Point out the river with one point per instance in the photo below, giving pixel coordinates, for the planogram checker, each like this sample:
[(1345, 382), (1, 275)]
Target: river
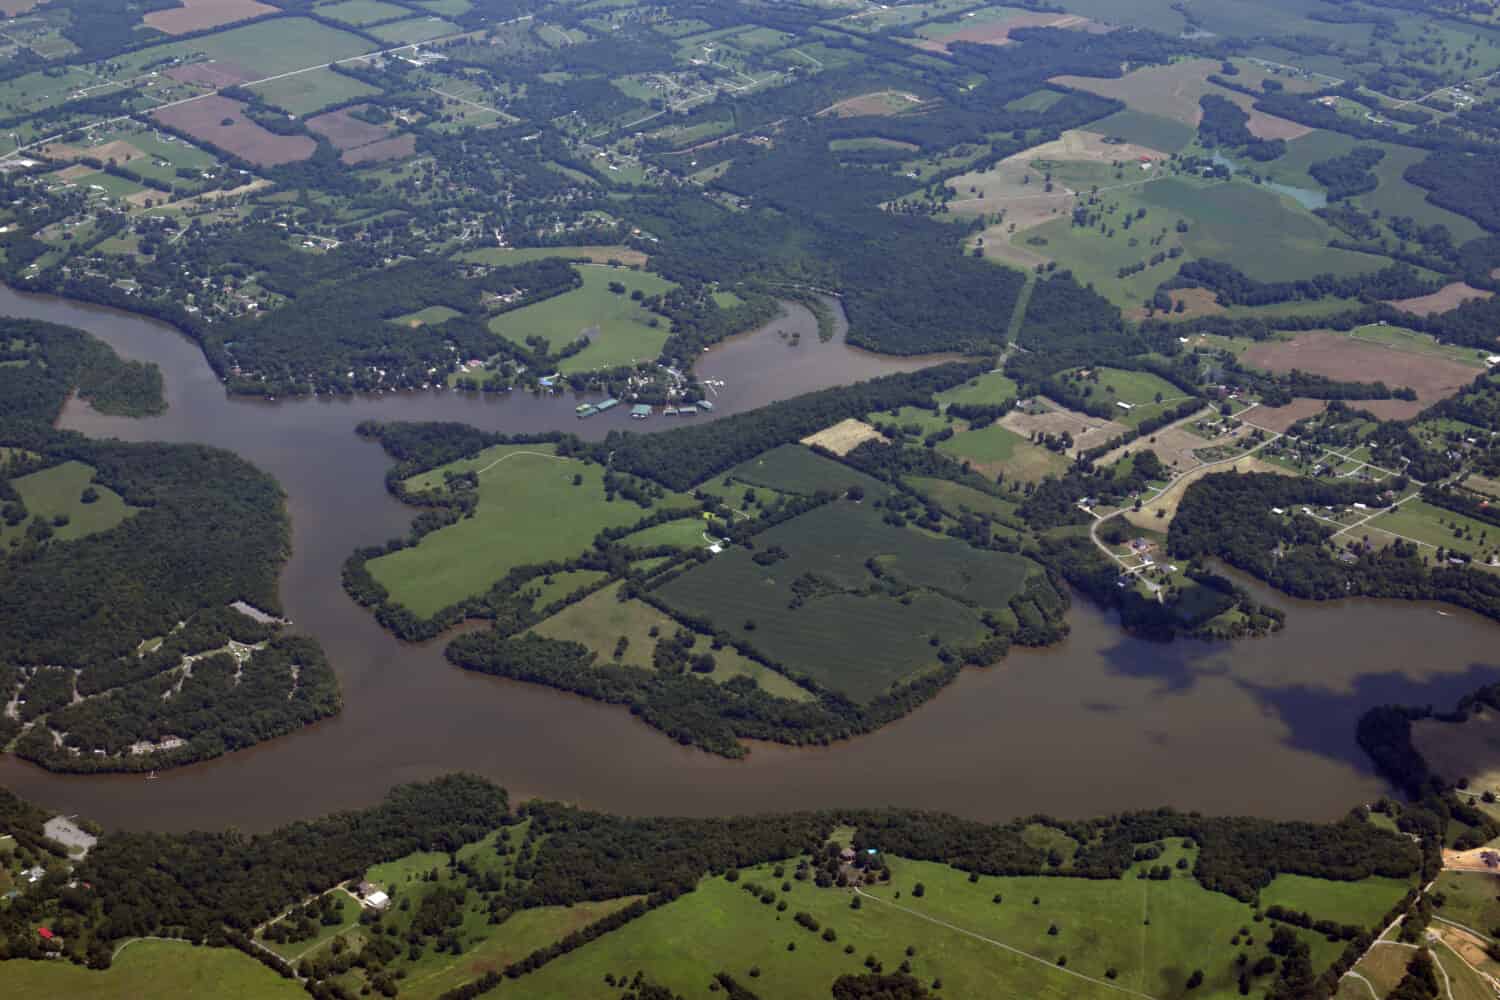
[(1098, 723)]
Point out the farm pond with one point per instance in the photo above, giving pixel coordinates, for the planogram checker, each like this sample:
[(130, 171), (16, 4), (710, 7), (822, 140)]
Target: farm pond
[(1097, 723)]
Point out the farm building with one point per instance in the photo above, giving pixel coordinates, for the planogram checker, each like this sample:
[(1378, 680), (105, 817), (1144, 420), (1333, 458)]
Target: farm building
[(377, 900)]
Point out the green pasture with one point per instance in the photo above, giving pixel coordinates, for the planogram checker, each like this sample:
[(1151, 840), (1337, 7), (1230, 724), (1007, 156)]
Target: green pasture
[(313, 91), (152, 969), (1001, 449), (447, 8), (506, 256), (793, 468), (362, 12), (563, 584), (1422, 521), (1138, 390), (110, 184), (727, 300), (1471, 899), (430, 316), (416, 29), (1152, 934), (989, 389), (1254, 229), (58, 490), (267, 47), (1362, 903), (1037, 100), (618, 327), (686, 533), (601, 619), (529, 512), (956, 498), (843, 636), (1145, 129), (1398, 196), (924, 422)]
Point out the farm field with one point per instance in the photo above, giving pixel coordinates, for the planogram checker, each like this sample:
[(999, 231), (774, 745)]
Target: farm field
[(307, 93), (998, 449), (1154, 131), (618, 328), (529, 511), (57, 491), (205, 119), (1449, 297), (1438, 527), (264, 48), (362, 12), (955, 497), (990, 389), (600, 620), (853, 643), (153, 969), (417, 29), (793, 468), (199, 15), (1358, 359)]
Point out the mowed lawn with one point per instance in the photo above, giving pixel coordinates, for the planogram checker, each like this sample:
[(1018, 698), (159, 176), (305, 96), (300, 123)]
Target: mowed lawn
[(529, 512), (152, 969), (619, 329), (313, 91), (850, 642), (59, 490)]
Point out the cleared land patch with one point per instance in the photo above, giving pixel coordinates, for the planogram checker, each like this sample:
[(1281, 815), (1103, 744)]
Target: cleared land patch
[(345, 131), (608, 254), (937, 36), (58, 492), (205, 120), (884, 102), (1279, 418), (619, 328), (1087, 431), (395, 148), (844, 436), (997, 450), (199, 15), (313, 91)]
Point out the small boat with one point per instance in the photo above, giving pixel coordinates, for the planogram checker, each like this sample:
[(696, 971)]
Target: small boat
[(581, 407), (1444, 614), (587, 410), (151, 776)]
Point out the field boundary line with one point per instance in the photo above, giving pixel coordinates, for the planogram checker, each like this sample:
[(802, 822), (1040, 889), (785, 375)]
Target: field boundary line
[(1462, 927), (1005, 947), (1374, 994)]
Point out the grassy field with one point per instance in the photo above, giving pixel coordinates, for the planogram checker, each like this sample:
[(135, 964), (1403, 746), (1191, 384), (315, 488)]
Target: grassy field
[(1152, 934), (306, 93), (792, 468), (989, 389), (686, 533), (265, 47), (152, 969), (1473, 899), (846, 639), (910, 418), (349, 910), (58, 490), (1413, 342), (1138, 390), (1144, 129), (1398, 196), (618, 328), (955, 497), (1261, 233), (601, 619), (430, 316), (1421, 520), (529, 512), (1361, 903), (999, 449), (362, 12), (563, 584), (416, 29)]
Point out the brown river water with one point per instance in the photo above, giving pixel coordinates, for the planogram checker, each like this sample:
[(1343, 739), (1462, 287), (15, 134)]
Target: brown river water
[(1098, 723)]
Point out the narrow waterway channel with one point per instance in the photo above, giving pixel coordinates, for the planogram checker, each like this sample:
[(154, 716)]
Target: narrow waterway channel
[(1100, 722)]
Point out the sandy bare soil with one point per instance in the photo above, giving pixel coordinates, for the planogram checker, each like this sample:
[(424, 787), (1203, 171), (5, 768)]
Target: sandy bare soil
[(1341, 357), (1172, 91), (1445, 298), (1087, 431), (1279, 418), (203, 120), (998, 32), (196, 15), (844, 436)]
